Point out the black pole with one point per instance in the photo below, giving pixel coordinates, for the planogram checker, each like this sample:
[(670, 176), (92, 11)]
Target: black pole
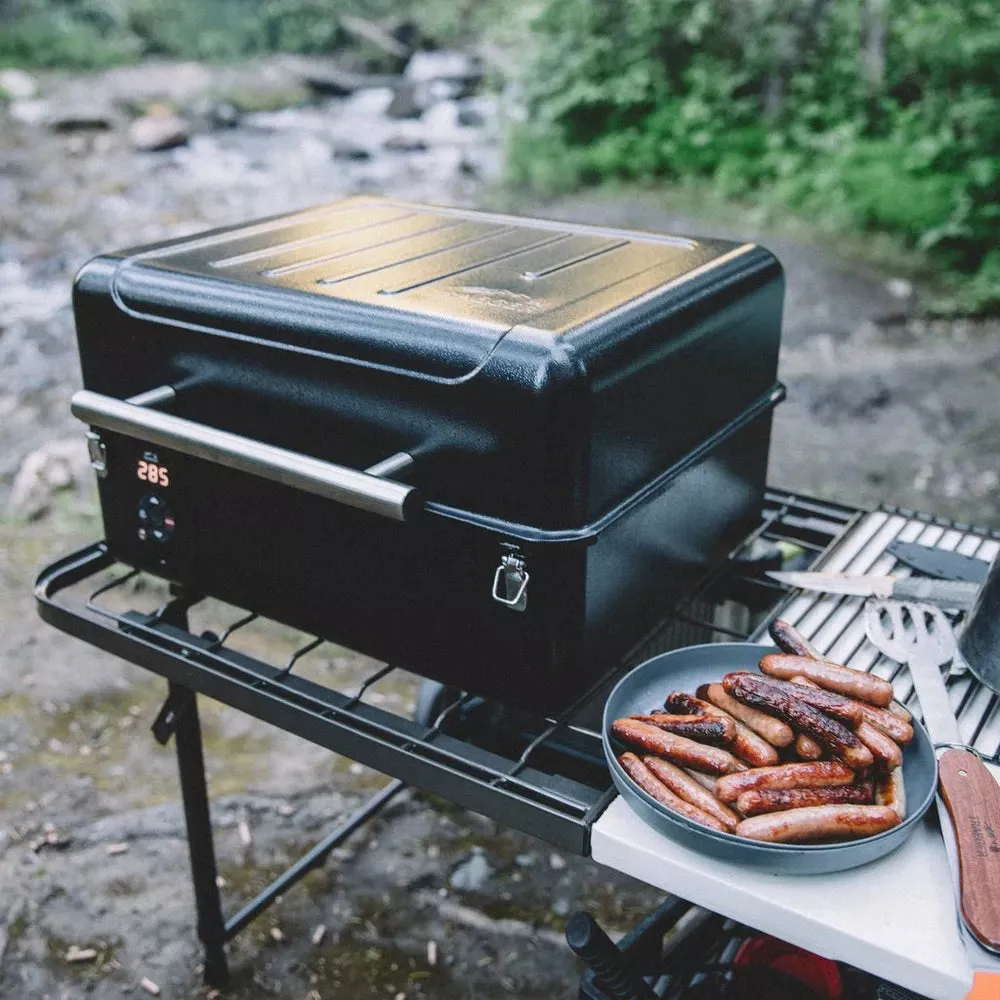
[(204, 873)]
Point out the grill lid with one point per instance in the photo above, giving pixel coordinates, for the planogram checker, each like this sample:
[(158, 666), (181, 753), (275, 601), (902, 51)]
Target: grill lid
[(423, 291)]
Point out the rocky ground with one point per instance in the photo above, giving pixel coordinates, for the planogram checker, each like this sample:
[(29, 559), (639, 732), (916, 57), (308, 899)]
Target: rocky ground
[(427, 902)]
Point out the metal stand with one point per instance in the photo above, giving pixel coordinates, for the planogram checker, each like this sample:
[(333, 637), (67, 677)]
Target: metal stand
[(179, 718)]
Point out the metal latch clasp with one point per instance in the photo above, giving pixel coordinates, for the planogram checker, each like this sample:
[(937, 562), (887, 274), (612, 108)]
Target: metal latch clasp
[(510, 583), (98, 454)]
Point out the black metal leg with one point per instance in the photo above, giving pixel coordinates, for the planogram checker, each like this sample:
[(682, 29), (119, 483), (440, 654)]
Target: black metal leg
[(191, 763)]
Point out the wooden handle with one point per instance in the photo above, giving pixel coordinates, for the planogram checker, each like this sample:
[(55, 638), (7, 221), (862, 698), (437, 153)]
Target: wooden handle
[(972, 797), (986, 986)]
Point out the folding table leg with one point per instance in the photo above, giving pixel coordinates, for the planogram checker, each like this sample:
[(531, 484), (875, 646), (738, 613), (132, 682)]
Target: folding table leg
[(191, 763)]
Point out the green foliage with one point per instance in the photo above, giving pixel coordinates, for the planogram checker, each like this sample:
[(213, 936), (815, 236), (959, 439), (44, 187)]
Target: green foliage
[(85, 34), (793, 102)]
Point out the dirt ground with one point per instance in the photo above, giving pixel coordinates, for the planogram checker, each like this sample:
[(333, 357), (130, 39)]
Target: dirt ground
[(883, 405)]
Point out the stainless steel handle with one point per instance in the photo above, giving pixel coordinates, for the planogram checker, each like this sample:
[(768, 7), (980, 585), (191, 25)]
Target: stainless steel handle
[(312, 475)]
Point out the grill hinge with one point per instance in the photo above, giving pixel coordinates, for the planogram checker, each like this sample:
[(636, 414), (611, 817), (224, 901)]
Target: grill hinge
[(98, 454)]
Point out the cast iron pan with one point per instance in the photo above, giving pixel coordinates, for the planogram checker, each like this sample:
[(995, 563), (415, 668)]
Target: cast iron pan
[(645, 687)]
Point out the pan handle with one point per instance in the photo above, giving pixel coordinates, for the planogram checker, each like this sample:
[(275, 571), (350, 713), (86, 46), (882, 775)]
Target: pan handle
[(363, 490)]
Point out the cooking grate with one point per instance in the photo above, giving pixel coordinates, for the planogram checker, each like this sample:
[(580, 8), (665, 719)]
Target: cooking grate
[(546, 776), (836, 624)]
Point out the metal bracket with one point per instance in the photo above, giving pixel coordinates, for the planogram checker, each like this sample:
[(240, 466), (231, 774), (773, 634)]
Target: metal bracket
[(98, 454), (512, 574), (165, 724)]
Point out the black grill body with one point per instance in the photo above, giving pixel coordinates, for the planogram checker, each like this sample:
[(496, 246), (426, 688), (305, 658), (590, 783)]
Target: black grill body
[(588, 414)]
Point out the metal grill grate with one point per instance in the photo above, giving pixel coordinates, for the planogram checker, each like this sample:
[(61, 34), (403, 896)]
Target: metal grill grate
[(836, 624)]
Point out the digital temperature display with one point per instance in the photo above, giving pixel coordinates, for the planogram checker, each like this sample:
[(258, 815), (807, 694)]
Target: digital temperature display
[(153, 473)]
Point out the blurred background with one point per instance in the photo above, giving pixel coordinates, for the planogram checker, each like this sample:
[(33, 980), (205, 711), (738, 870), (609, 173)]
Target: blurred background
[(858, 139)]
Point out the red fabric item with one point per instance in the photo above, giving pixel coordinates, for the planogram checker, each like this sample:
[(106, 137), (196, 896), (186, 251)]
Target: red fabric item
[(820, 974)]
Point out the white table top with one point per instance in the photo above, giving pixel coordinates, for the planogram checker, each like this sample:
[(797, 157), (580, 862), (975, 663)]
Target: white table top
[(894, 918)]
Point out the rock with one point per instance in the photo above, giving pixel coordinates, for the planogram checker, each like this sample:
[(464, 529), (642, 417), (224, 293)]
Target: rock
[(406, 102), (453, 67), (54, 468), (160, 129), (323, 76), (81, 118), (371, 102), (30, 112), (401, 142), (224, 115), (479, 112), (367, 31), (899, 288), (472, 874), (17, 85), (349, 151)]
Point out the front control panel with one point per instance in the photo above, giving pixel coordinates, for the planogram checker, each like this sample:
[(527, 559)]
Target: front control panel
[(156, 522)]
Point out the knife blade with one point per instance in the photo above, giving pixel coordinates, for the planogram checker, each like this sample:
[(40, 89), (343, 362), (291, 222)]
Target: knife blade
[(943, 593), (941, 564)]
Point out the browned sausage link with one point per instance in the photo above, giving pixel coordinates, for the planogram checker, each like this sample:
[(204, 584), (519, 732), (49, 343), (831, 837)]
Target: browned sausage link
[(676, 748), (832, 676), (766, 726), (819, 823), (829, 733), (747, 746), (720, 732), (705, 780), (888, 722), (807, 749), (890, 790), (769, 800), (790, 640), (652, 785), (691, 791), (898, 711), (883, 749), (688, 704), (818, 774), (846, 709)]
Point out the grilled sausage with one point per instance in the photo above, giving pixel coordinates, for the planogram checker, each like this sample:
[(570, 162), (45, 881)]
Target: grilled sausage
[(888, 722), (829, 733), (807, 749), (747, 746), (898, 711), (766, 726), (705, 780), (652, 785), (832, 676), (816, 774), (883, 749), (770, 800), (704, 729), (846, 709), (790, 640), (819, 823), (890, 790), (679, 749), (691, 791)]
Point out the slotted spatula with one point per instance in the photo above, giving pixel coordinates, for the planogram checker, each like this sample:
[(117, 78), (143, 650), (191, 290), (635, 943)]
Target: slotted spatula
[(920, 636)]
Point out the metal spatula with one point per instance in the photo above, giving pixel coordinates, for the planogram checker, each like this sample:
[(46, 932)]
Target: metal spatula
[(969, 797)]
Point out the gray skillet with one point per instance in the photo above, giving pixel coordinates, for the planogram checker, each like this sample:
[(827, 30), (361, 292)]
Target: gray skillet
[(644, 689)]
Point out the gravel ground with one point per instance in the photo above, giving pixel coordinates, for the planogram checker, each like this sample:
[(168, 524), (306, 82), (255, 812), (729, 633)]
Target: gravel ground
[(917, 402)]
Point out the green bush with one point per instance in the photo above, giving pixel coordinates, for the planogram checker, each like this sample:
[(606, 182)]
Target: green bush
[(874, 114)]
